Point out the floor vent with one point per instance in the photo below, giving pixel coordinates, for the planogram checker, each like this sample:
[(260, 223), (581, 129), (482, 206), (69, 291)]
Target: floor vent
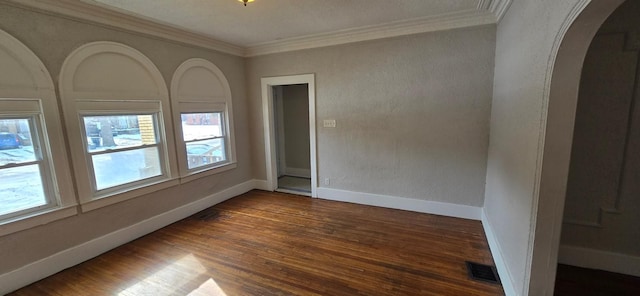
[(481, 272), (207, 215)]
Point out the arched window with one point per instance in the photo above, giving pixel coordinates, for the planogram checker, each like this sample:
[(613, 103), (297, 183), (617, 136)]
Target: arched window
[(203, 117), (35, 180), (116, 109)]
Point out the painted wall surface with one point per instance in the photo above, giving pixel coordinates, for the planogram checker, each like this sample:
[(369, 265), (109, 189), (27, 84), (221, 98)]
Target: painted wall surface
[(412, 113), (526, 37), (295, 99), (52, 39), (602, 209)]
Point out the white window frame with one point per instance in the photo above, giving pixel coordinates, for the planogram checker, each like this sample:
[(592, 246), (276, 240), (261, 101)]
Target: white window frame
[(212, 95), (106, 192), (208, 109), (89, 85), (34, 97), (40, 153)]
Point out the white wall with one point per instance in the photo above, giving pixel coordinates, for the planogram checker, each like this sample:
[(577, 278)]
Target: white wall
[(412, 113)]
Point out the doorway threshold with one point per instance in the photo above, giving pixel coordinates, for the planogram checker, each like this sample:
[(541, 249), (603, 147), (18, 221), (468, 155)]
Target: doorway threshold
[(296, 192)]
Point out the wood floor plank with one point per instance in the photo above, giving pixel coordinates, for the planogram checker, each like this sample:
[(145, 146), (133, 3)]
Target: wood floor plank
[(264, 243)]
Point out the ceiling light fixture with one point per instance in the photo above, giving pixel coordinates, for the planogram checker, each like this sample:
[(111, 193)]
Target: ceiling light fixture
[(246, 1)]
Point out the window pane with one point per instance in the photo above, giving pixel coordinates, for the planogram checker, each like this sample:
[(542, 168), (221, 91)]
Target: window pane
[(206, 152), (21, 188), (119, 131), (15, 141), (117, 168), (201, 125)]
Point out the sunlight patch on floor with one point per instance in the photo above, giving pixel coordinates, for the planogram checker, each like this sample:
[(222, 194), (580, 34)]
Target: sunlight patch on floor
[(208, 288), (178, 276)]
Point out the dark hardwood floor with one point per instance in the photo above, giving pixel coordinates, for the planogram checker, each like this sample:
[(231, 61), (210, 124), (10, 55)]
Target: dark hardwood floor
[(263, 243), (571, 280)]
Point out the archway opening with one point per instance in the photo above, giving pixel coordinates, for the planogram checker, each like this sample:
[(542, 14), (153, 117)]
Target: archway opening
[(599, 232)]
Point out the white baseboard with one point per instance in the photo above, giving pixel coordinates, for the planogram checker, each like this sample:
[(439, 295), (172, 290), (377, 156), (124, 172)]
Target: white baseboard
[(296, 172), (40, 269), (597, 259), (402, 203), (262, 185), (498, 258)]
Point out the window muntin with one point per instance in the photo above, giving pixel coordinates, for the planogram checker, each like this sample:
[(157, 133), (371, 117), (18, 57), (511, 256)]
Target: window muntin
[(123, 149), (205, 139), (24, 185)]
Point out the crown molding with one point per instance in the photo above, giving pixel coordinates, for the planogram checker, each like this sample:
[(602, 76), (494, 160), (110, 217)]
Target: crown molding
[(498, 7), (406, 27), (484, 4), (487, 12), (91, 13)]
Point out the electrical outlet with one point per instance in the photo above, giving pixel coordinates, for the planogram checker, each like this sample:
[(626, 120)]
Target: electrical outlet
[(327, 181), (329, 123)]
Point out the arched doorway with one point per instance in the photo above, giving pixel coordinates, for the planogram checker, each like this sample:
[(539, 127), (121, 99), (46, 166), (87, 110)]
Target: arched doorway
[(571, 46)]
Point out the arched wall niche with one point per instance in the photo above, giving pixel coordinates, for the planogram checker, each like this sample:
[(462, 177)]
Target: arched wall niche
[(22, 69), (111, 78), (198, 80), (109, 68), (26, 89), (200, 86)]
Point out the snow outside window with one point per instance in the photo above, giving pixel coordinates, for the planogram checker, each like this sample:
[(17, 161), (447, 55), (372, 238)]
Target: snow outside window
[(123, 150), (25, 185), (205, 139)]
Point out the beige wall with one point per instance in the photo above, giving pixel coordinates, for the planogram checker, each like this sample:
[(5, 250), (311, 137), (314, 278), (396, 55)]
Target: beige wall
[(295, 99), (52, 39), (602, 209), (412, 113)]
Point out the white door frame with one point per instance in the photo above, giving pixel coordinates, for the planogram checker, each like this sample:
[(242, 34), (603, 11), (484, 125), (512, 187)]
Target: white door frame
[(269, 130)]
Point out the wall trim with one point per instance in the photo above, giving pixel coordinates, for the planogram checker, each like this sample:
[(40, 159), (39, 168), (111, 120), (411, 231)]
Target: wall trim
[(45, 267), (402, 203), (95, 13), (597, 259), (498, 258), (271, 164), (499, 8), (469, 18), (261, 185), (487, 12)]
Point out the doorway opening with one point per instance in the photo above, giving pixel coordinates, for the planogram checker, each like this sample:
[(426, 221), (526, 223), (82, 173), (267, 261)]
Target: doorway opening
[(291, 118), (599, 230), (561, 96), (290, 134)]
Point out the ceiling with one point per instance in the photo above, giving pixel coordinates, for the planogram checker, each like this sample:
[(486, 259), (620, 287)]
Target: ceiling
[(267, 26), (270, 20)]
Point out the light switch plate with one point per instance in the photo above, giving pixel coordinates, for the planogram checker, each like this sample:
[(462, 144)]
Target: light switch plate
[(329, 123)]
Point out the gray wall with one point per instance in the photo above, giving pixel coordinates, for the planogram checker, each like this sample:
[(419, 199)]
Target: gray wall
[(52, 39), (295, 99), (412, 113), (602, 209)]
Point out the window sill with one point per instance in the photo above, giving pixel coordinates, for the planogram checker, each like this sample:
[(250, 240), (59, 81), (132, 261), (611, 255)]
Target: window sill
[(126, 194), (208, 172), (36, 219)]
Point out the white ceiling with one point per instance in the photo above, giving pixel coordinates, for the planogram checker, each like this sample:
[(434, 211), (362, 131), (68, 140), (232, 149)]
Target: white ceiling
[(266, 21)]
